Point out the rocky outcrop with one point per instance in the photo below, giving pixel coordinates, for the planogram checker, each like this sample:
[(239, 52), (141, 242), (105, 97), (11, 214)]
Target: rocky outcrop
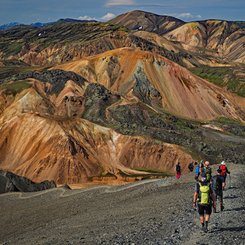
[(10, 182)]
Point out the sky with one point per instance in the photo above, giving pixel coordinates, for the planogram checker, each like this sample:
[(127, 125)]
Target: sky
[(30, 11)]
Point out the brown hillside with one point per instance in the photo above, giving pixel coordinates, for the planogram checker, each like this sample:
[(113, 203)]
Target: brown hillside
[(145, 21), (220, 38), (158, 82), (75, 150)]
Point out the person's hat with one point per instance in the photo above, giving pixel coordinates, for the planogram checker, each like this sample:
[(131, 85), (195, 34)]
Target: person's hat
[(222, 163)]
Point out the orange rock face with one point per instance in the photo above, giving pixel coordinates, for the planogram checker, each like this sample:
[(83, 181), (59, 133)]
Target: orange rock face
[(72, 151), (180, 92), (44, 135)]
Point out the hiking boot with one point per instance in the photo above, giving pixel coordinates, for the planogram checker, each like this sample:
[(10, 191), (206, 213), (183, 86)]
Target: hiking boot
[(222, 208), (205, 229)]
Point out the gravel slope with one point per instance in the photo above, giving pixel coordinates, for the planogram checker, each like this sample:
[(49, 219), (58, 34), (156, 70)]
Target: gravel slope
[(147, 212)]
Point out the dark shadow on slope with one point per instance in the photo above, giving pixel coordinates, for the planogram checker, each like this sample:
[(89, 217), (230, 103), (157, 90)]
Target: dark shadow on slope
[(236, 209), (232, 187), (237, 228), (231, 197)]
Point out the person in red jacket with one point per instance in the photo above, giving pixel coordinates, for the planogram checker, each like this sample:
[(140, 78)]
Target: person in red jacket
[(224, 171), (178, 170)]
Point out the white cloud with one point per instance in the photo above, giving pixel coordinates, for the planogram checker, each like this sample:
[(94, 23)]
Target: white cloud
[(108, 16), (110, 3), (187, 16), (86, 18)]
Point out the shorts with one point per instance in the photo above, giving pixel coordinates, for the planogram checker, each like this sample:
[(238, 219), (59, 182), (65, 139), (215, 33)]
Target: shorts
[(204, 209)]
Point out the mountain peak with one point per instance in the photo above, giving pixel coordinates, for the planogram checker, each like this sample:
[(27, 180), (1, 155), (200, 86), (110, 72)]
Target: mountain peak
[(146, 21)]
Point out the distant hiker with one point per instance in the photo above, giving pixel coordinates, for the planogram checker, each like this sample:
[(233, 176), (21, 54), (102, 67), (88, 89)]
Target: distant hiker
[(224, 171), (217, 184), (204, 198), (178, 171), (206, 171), (191, 166), (198, 169)]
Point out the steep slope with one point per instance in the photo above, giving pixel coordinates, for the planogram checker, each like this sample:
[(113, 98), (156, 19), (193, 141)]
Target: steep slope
[(60, 42), (145, 21), (74, 151), (222, 38), (51, 124), (63, 147), (159, 83)]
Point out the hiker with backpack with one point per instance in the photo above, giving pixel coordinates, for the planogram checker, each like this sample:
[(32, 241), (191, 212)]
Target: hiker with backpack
[(224, 171), (198, 169), (206, 171), (217, 184), (204, 199), (178, 171)]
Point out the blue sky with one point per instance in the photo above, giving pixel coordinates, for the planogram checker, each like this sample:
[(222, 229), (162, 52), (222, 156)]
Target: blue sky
[(29, 11)]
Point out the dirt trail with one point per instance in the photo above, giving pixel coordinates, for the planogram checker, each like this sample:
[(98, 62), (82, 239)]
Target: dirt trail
[(147, 212)]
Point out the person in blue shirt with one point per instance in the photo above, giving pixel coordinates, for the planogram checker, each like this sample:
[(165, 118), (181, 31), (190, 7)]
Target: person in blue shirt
[(198, 169)]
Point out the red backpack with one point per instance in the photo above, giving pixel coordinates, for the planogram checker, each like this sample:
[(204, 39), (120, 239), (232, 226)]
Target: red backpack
[(223, 169)]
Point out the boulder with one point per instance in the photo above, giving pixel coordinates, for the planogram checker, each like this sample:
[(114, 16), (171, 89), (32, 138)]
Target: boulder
[(10, 182)]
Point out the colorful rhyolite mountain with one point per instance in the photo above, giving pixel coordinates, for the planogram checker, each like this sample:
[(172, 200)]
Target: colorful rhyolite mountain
[(113, 102)]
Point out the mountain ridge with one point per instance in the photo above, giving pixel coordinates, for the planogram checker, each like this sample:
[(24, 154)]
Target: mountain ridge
[(108, 103)]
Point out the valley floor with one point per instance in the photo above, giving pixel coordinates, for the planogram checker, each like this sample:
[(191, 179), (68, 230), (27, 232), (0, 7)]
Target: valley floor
[(146, 212)]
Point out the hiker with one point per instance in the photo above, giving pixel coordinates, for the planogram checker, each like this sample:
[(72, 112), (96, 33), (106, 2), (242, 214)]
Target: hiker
[(178, 171), (217, 184), (198, 169), (206, 171), (191, 166), (224, 171), (204, 198)]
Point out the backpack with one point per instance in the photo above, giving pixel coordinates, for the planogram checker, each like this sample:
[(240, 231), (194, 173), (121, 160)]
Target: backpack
[(223, 169), (197, 170), (207, 172), (178, 168), (216, 183), (204, 194), (191, 167)]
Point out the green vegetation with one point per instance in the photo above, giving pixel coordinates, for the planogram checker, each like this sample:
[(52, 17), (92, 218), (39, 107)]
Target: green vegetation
[(9, 71), (232, 78), (225, 120), (11, 48), (58, 33), (231, 126), (153, 171), (16, 87)]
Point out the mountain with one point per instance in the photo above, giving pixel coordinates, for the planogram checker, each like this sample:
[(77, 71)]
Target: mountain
[(67, 40), (222, 38), (40, 24), (145, 21), (63, 146), (88, 101), (158, 82), (9, 25)]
